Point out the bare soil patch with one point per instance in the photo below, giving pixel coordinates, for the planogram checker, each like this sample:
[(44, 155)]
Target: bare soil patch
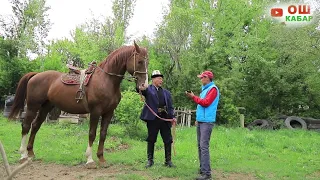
[(43, 171)]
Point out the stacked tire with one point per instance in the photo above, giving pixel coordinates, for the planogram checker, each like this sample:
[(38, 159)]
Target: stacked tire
[(313, 124), (8, 106), (293, 122), (260, 124)]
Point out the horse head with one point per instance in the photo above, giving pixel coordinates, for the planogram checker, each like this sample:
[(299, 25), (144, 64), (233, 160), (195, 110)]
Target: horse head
[(137, 66)]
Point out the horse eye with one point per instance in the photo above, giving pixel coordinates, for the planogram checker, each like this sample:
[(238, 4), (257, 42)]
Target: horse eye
[(140, 62)]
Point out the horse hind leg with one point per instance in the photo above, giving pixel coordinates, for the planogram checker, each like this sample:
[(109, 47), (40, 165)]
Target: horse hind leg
[(26, 125), (36, 124)]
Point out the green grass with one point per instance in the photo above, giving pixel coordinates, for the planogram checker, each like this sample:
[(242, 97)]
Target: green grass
[(282, 154)]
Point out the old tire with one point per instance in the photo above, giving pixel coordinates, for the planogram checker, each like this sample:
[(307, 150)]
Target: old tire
[(261, 124), (314, 126), (294, 122), (311, 120), (9, 100), (6, 111), (7, 105)]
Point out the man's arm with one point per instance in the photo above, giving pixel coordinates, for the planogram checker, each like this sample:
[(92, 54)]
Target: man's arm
[(170, 105), (210, 97)]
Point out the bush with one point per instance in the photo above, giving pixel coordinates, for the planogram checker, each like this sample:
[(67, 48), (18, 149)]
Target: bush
[(228, 113), (128, 114), (227, 110)]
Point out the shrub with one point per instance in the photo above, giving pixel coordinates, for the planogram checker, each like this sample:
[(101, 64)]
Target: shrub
[(128, 114), (227, 110), (228, 113)]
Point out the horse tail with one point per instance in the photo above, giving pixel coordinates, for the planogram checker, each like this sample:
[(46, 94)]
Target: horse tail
[(21, 94)]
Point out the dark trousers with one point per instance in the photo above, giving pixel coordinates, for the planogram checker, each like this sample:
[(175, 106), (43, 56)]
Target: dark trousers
[(203, 136), (157, 125)]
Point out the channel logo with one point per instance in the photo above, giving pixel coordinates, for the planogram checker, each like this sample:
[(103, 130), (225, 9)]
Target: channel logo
[(291, 14), (276, 12)]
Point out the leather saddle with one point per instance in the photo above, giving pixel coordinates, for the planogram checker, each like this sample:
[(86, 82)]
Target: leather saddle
[(79, 77), (73, 76)]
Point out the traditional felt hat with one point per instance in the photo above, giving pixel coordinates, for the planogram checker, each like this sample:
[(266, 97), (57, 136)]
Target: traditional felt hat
[(156, 73)]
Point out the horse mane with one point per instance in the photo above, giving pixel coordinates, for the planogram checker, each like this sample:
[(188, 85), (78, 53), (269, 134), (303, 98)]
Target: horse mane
[(118, 56)]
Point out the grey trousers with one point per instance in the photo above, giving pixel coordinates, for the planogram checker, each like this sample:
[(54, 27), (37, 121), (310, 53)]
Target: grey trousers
[(203, 135)]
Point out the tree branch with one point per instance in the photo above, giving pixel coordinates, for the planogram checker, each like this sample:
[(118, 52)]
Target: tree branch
[(20, 167), (7, 166), (5, 160)]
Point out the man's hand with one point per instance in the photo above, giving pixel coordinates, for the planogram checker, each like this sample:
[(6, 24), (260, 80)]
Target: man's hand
[(196, 123), (190, 95), (143, 87), (174, 121)]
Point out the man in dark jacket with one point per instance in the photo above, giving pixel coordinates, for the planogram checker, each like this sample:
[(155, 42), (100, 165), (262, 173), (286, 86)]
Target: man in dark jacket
[(160, 101)]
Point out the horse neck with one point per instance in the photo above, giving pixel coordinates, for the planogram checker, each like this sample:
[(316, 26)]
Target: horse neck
[(115, 68)]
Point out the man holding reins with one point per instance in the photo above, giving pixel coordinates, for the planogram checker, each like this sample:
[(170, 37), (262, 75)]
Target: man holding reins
[(158, 104)]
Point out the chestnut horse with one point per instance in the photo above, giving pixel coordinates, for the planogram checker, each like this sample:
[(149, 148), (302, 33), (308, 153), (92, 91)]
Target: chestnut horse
[(42, 91)]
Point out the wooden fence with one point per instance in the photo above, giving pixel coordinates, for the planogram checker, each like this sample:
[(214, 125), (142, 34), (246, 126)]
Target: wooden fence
[(183, 116)]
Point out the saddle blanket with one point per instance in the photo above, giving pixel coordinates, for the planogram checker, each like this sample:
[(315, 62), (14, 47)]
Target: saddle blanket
[(74, 79)]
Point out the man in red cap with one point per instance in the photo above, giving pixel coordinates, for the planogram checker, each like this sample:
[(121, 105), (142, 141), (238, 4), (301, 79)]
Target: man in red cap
[(207, 104)]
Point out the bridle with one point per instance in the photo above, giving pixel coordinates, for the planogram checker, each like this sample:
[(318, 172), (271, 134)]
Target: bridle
[(134, 66), (129, 78)]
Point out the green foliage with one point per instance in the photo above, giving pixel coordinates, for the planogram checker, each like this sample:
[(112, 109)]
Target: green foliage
[(12, 68), (91, 41), (229, 113), (256, 62), (128, 114), (29, 26), (123, 11)]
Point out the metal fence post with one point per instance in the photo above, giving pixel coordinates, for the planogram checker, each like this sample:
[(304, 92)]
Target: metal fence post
[(241, 111)]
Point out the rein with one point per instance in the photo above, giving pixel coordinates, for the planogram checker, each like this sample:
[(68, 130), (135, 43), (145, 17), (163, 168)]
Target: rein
[(129, 78), (173, 121)]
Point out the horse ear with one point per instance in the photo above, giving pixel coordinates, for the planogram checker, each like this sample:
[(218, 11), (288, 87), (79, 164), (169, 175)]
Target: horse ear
[(137, 48)]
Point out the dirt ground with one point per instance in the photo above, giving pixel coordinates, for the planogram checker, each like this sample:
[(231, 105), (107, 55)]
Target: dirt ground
[(42, 171)]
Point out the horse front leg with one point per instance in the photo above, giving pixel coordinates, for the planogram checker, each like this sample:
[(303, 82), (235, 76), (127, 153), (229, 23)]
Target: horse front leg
[(106, 119), (94, 119)]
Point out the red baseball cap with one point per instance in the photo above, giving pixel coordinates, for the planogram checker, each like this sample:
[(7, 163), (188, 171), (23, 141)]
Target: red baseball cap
[(208, 74)]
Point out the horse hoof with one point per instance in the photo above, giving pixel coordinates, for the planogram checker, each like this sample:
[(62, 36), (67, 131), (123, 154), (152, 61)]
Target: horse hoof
[(21, 161), (103, 164), (31, 155), (91, 165)]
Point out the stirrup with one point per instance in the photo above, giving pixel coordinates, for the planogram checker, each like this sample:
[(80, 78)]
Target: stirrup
[(79, 95)]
